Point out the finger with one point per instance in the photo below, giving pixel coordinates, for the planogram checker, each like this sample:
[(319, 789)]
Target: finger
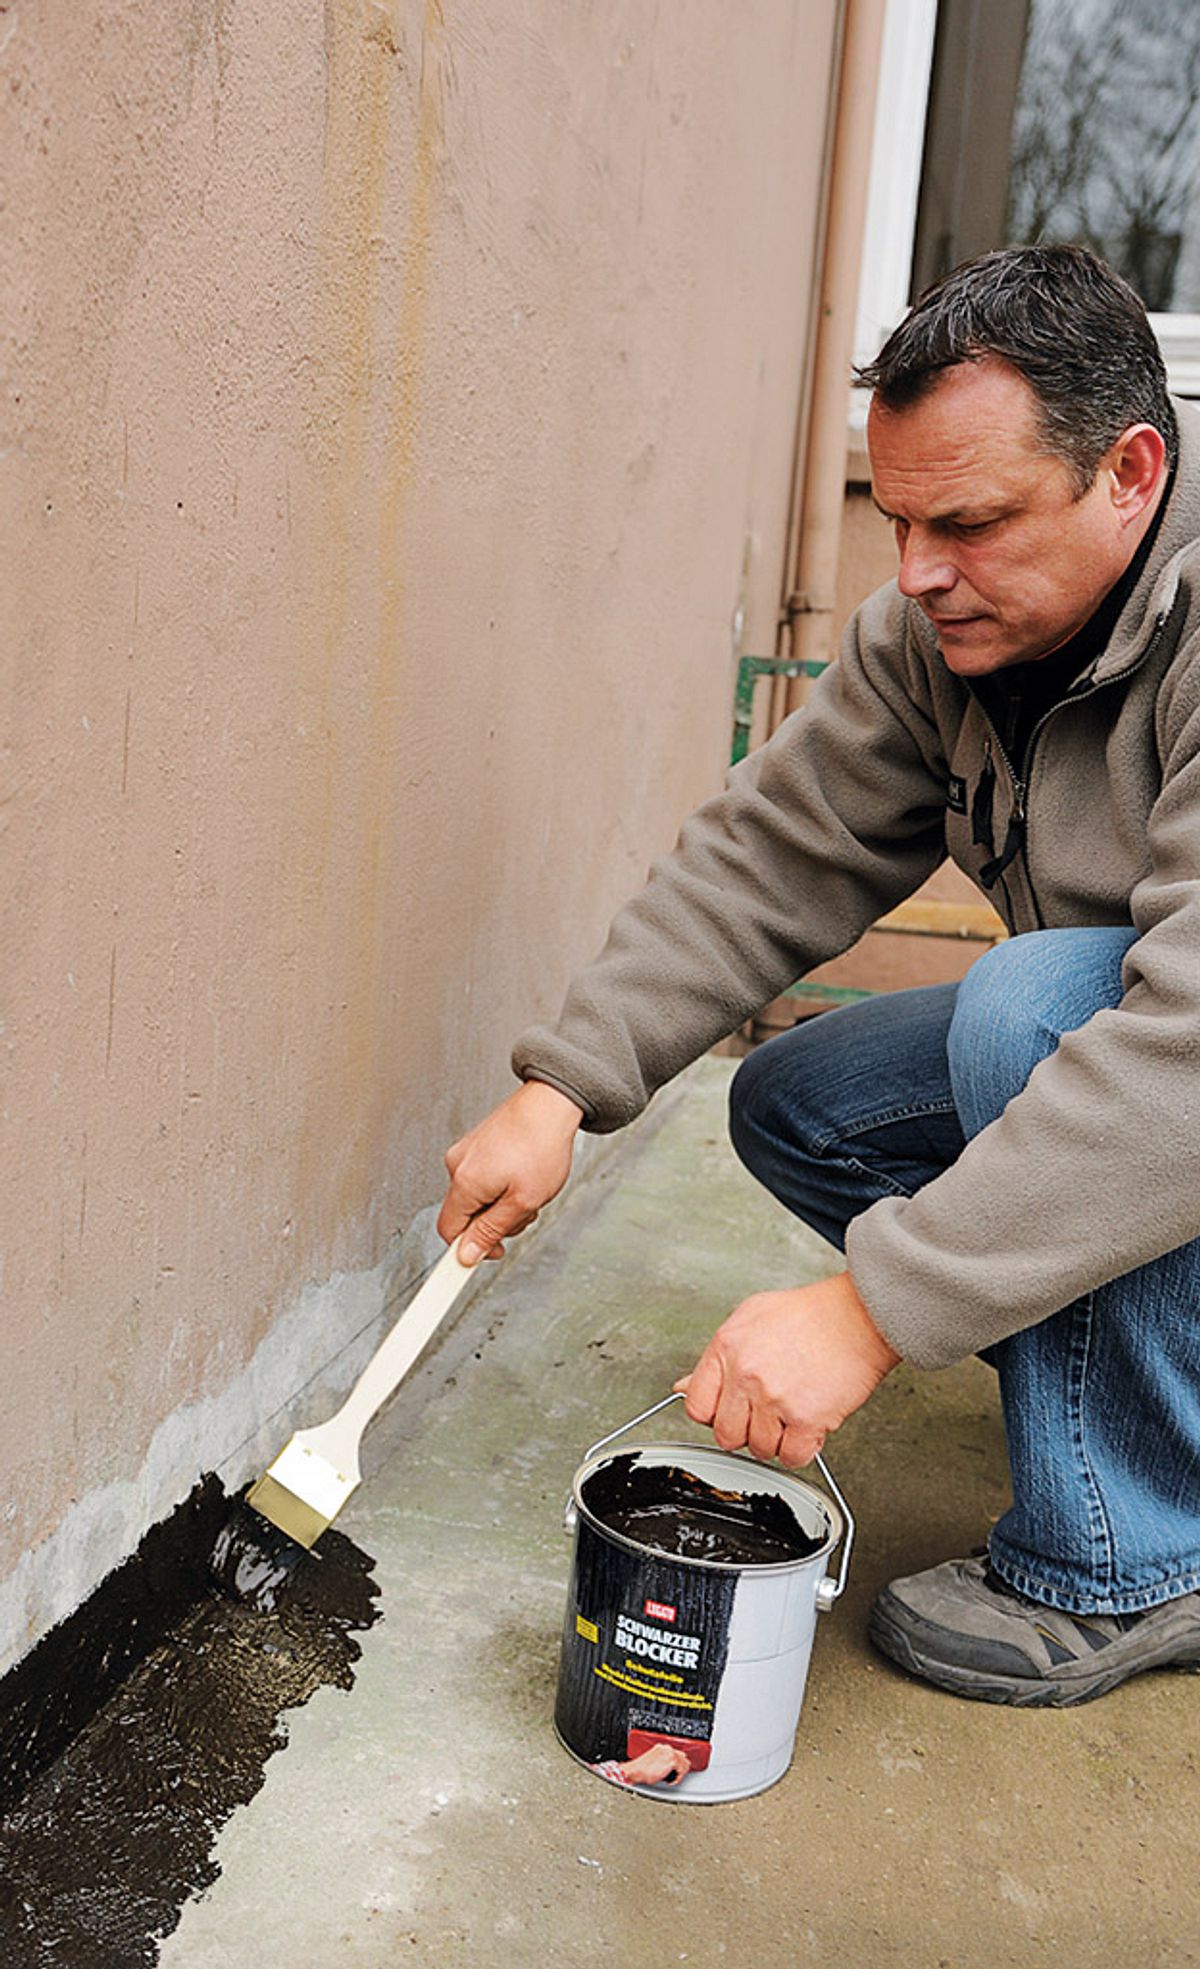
[(451, 1221), (731, 1423), (458, 1209), (765, 1435), (486, 1232), (704, 1385), (800, 1444), (523, 1223), (681, 1386)]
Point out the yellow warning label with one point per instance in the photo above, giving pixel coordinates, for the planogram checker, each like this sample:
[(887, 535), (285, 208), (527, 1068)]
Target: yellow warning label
[(675, 1697), (659, 1674), (587, 1628)]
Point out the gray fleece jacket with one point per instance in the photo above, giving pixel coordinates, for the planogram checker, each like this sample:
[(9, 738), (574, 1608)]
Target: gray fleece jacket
[(1095, 1168)]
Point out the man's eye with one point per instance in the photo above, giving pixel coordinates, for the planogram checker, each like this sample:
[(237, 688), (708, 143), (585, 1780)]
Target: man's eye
[(974, 527)]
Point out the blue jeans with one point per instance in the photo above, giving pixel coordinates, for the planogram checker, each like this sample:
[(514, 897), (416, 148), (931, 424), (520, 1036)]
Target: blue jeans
[(1101, 1401)]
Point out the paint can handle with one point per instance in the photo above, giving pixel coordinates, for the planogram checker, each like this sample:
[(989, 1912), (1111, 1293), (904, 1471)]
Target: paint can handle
[(571, 1515), (830, 1589), (626, 1426)]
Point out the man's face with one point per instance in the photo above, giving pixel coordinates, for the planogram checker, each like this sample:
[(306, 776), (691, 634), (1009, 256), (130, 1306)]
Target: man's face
[(994, 548)]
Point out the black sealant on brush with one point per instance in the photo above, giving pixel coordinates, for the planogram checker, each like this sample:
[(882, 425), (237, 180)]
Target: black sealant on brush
[(254, 1561)]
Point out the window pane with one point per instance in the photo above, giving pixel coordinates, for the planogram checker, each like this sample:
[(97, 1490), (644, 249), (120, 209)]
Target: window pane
[(1106, 141)]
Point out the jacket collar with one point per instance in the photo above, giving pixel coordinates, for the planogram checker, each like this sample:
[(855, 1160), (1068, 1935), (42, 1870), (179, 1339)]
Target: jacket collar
[(1179, 530)]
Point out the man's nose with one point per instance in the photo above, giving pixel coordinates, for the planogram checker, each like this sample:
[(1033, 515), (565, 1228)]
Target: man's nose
[(924, 566)]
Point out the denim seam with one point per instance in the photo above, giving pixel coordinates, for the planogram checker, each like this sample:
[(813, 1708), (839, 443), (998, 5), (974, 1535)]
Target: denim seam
[(876, 1178), (1173, 1586), (1100, 1533), (820, 1145), (1100, 1529)]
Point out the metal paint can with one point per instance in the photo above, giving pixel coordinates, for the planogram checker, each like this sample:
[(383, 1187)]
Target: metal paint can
[(682, 1678)]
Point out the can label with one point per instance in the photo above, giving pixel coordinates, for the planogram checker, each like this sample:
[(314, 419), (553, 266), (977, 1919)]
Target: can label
[(644, 1649)]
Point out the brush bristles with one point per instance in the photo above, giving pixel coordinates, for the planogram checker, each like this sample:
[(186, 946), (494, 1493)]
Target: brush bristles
[(281, 1507)]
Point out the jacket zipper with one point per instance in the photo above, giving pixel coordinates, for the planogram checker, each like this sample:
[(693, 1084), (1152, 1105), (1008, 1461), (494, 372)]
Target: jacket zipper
[(1020, 786), (1018, 815)]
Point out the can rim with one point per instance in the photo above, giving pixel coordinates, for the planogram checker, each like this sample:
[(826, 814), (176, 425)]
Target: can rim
[(833, 1516)]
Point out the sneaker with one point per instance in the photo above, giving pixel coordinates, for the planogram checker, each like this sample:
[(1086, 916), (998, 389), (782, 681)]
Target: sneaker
[(961, 1628)]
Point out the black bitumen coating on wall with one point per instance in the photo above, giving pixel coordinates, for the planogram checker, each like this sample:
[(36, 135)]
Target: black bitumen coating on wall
[(48, 1697), (135, 1729)]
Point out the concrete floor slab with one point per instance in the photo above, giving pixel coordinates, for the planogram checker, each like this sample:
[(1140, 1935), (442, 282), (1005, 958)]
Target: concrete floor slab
[(430, 1815)]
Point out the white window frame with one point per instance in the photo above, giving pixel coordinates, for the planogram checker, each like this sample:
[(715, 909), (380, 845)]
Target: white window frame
[(894, 189), (894, 185), (1179, 340)]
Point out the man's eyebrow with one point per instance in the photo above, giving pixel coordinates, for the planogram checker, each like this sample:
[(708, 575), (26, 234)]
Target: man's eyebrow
[(954, 516)]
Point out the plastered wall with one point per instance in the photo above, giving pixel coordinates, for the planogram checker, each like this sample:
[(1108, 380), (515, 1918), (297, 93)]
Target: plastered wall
[(398, 401), (867, 552)]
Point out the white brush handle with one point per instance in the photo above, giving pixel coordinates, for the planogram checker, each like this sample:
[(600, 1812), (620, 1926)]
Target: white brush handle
[(338, 1438)]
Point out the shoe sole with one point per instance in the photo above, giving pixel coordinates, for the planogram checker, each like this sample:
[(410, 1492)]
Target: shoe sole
[(894, 1638)]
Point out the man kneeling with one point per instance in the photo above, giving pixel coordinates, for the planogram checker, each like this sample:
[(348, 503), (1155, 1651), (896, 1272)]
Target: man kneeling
[(1012, 1164)]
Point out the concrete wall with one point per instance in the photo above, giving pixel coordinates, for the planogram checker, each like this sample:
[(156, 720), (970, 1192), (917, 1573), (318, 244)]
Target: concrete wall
[(867, 551), (398, 401)]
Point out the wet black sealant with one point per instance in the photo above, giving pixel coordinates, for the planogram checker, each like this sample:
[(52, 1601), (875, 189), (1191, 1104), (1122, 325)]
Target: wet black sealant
[(132, 1732), (46, 1700), (670, 1510), (254, 1560)]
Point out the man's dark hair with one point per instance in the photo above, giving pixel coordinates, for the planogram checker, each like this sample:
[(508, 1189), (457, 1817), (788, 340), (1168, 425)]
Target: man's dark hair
[(1065, 321)]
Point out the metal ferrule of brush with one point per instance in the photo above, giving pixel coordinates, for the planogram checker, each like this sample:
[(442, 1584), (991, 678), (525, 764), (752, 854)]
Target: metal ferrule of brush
[(302, 1493)]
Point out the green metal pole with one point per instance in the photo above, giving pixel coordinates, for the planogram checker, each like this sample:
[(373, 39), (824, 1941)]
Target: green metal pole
[(749, 670)]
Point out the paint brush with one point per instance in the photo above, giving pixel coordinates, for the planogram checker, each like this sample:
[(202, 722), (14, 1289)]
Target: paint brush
[(317, 1471)]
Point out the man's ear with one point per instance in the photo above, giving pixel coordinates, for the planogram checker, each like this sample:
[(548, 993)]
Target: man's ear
[(1134, 469)]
